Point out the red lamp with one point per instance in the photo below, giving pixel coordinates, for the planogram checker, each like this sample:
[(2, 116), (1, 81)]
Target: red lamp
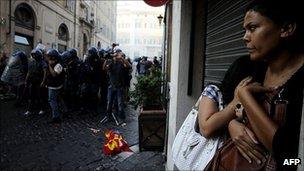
[(156, 3)]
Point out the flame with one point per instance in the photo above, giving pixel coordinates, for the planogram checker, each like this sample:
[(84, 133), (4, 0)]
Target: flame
[(115, 143)]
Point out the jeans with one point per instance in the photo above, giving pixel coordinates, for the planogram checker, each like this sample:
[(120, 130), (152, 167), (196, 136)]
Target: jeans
[(55, 100), (115, 94)]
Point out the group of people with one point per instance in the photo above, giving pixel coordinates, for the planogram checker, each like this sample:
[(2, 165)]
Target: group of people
[(262, 92), (69, 84), (143, 65)]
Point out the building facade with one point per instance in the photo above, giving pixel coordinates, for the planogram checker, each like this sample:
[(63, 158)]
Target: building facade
[(139, 32), (105, 22), (59, 24)]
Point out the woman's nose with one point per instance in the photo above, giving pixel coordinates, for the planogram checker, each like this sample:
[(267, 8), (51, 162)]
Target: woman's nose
[(246, 37)]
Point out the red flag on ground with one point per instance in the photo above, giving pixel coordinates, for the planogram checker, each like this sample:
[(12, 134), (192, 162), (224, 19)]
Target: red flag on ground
[(115, 143)]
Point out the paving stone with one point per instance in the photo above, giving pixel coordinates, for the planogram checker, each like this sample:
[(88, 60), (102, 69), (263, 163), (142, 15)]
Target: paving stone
[(142, 161)]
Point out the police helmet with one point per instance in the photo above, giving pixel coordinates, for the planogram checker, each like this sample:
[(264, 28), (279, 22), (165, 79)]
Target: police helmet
[(101, 53), (36, 54), (53, 54), (92, 51), (20, 54), (73, 52), (66, 56)]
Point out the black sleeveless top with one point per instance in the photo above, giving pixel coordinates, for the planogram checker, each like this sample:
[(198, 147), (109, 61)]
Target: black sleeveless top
[(285, 142), (286, 139)]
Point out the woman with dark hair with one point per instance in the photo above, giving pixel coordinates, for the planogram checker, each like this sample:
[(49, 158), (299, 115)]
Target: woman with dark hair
[(272, 101)]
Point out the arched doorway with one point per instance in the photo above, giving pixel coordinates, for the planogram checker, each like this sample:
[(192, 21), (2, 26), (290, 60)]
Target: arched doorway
[(24, 28), (63, 36)]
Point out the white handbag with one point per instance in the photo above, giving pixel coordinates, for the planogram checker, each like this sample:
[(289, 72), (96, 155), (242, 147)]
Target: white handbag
[(191, 150)]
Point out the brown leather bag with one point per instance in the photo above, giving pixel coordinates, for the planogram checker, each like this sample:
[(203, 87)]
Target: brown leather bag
[(228, 158)]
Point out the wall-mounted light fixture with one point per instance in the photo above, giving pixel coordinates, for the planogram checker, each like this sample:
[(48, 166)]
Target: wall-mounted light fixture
[(2, 21), (160, 18)]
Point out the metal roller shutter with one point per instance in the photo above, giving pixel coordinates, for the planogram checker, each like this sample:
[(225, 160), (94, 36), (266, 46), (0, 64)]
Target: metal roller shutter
[(224, 35)]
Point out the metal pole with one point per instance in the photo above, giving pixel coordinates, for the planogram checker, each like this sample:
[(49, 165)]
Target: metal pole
[(9, 17)]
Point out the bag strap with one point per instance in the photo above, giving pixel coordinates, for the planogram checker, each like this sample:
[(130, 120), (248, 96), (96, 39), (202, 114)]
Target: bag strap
[(197, 103)]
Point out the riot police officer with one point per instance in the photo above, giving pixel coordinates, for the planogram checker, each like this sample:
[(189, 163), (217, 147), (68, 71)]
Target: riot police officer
[(34, 82), (90, 81)]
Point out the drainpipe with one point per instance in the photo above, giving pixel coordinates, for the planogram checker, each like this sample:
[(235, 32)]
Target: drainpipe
[(9, 17), (75, 6)]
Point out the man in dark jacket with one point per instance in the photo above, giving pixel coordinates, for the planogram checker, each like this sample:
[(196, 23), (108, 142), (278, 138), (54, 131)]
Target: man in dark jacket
[(116, 68), (55, 80)]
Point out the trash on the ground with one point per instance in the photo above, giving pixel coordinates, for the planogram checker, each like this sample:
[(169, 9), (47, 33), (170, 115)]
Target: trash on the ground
[(115, 143), (95, 131)]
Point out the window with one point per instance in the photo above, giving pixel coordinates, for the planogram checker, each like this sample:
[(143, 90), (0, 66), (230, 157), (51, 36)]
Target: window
[(63, 33), (85, 43), (21, 40), (24, 16), (71, 5), (137, 25), (62, 48), (86, 14), (99, 23), (136, 53)]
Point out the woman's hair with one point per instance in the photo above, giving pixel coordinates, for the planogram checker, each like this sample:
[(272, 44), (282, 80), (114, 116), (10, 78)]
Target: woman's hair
[(282, 13), (238, 70)]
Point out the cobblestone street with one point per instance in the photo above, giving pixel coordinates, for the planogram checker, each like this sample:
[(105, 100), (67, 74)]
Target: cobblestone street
[(30, 143)]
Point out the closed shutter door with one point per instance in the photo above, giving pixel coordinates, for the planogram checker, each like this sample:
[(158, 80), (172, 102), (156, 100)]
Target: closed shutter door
[(224, 35)]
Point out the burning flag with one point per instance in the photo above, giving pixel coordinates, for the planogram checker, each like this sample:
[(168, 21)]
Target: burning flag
[(114, 143)]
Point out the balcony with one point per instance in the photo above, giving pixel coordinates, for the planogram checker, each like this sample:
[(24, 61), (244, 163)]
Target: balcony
[(90, 22)]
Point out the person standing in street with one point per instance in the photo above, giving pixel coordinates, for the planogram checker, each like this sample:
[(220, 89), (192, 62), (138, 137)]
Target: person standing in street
[(55, 80), (116, 68), (34, 81)]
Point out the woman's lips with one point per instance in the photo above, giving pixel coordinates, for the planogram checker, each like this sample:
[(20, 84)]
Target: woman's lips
[(250, 50)]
